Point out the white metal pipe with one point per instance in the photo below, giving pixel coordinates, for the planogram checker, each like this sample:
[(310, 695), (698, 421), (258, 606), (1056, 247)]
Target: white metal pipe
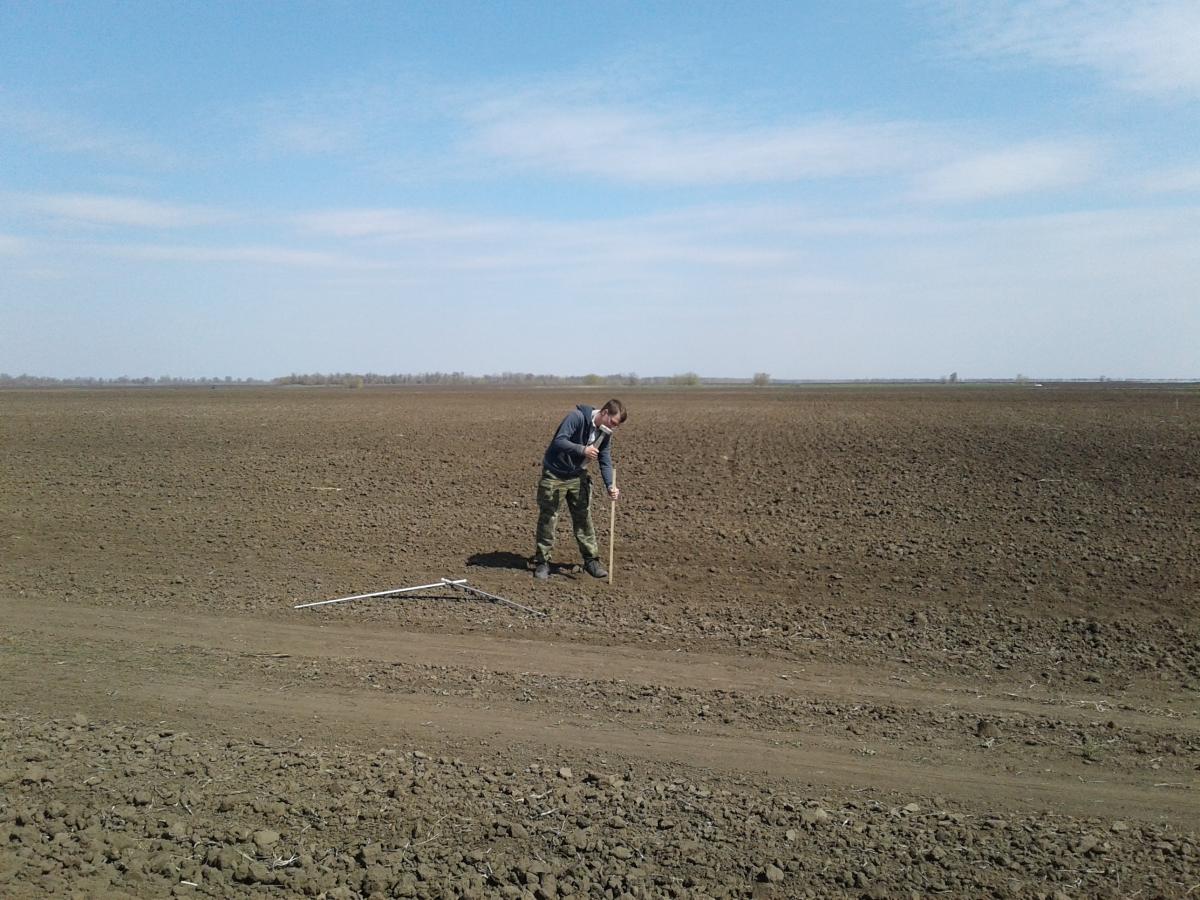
[(419, 587), (474, 590)]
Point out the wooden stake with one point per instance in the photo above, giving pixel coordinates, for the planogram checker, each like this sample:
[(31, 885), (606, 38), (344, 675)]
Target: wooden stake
[(612, 532)]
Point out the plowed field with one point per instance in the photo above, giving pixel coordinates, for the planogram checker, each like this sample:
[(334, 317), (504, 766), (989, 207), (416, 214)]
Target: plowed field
[(861, 642)]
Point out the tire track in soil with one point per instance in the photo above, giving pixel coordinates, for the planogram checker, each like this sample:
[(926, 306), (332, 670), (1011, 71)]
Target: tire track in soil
[(214, 694), (672, 668)]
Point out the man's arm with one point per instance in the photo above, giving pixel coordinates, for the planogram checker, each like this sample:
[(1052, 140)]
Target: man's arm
[(566, 431), (606, 469)]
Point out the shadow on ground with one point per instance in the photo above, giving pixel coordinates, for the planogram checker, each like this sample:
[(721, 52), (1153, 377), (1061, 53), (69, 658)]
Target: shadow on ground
[(499, 559)]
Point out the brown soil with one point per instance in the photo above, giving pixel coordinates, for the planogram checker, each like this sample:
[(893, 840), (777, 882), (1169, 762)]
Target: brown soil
[(859, 642)]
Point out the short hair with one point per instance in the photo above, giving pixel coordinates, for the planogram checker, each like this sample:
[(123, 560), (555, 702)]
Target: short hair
[(615, 408)]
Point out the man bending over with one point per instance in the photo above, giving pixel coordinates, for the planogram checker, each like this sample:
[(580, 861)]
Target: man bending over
[(585, 434)]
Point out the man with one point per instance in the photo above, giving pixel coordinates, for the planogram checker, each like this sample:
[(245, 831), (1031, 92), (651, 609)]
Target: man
[(585, 434)]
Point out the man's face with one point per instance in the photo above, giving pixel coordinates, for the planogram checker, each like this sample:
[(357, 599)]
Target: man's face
[(607, 419)]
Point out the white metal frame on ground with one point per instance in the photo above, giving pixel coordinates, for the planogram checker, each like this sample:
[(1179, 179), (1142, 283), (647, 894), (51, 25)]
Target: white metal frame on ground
[(460, 583)]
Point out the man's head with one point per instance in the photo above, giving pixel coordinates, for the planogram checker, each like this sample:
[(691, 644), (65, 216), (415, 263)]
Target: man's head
[(611, 414)]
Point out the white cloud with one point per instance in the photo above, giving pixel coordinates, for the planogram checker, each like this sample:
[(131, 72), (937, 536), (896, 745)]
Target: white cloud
[(1022, 169), (317, 132), (1068, 294), (357, 117), (610, 128), (400, 225), (432, 242), (258, 255), (1180, 180), (312, 138), (11, 245), (630, 145), (61, 132), (1149, 47), (101, 209)]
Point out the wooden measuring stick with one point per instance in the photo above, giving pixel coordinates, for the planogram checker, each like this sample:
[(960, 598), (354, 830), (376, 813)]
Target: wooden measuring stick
[(612, 534)]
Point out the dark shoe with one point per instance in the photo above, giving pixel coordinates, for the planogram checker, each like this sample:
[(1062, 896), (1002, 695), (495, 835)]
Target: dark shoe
[(542, 571), (595, 569)]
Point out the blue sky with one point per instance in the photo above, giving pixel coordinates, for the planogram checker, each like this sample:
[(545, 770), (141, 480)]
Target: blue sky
[(814, 190)]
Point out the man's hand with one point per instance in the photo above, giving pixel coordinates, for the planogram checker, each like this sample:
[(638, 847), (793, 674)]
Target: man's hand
[(614, 492), (590, 453)]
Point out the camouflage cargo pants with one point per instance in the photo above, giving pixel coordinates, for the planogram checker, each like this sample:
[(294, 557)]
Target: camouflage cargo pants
[(578, 493)]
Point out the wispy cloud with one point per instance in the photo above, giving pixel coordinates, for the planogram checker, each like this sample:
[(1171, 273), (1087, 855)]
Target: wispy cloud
[(433, 241), (396, 225), (574, 128), (10, 245), (107, 210), (1178, 180), (1009, 171), (375, 115), (308, 127), (256, 255), (605, 126), (625, 143), (57, 131), (1148, 47)]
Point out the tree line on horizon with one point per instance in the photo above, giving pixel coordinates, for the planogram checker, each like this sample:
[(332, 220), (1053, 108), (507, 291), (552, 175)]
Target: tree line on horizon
[(347, 379), (353, 379), (23, 380), (529, 379), (357, 380)]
